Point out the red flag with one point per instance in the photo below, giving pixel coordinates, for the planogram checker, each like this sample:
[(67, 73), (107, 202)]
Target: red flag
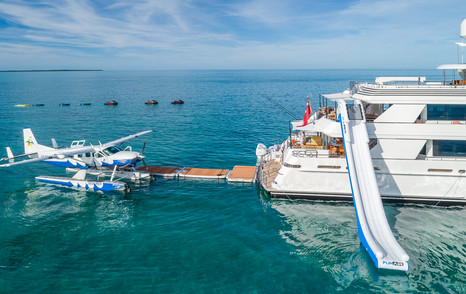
[(307, 113)]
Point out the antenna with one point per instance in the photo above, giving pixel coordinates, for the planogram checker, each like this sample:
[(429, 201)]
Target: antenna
[(281, 106), (463, 36)]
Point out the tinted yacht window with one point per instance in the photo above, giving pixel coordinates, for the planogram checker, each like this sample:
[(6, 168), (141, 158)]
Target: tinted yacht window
[(449, 148), (446, 112)]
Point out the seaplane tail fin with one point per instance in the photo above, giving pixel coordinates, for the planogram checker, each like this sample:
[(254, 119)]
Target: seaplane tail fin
[(54, 143), (30, 142)]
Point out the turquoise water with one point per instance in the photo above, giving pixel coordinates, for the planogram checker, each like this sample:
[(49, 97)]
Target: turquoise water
[(188, 236)]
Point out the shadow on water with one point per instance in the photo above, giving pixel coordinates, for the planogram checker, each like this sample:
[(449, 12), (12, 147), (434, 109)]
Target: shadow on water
[(326, 233)]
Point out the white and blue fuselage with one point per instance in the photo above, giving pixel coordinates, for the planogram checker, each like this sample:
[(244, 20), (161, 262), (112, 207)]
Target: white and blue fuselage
[(80, 156), (112, 156)]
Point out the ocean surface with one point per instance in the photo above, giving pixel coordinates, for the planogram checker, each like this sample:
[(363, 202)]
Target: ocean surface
[(195, 236)]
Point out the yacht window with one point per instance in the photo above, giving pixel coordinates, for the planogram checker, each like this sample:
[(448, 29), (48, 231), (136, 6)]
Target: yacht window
[(446, 112), (449, 148), (372, 143), (355, 112), (329, 166)]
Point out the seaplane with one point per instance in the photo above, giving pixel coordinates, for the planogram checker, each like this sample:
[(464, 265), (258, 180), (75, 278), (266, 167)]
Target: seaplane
[(103, 160)]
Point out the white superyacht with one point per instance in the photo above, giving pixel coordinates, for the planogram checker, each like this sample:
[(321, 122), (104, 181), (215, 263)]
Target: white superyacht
[(417, 139)]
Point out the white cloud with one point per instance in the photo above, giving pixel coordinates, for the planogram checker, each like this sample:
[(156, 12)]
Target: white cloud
[(270, 12), (177, 33)]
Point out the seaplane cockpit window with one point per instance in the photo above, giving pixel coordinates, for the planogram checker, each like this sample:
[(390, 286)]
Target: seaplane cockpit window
[(88, 155), (113, 150), (106, 152)]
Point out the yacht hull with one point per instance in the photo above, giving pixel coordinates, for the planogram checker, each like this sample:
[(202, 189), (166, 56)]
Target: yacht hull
[(287, 195), (441, 182)]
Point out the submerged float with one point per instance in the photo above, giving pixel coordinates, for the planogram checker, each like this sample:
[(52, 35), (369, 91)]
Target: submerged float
[(178, 102), (95, 185)]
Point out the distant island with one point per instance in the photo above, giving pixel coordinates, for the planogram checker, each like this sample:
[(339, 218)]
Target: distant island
[(45, 70)]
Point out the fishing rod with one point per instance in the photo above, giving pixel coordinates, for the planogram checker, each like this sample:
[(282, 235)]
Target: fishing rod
[(280, 106)]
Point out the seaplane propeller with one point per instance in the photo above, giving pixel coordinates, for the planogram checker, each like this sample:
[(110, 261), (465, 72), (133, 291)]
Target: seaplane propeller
[(142, 154)]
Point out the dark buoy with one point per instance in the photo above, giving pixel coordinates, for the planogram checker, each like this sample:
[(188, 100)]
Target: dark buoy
[(64, 104), (85, 104)]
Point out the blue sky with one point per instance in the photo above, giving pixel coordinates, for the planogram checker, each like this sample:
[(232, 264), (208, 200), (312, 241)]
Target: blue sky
[(219, 34)]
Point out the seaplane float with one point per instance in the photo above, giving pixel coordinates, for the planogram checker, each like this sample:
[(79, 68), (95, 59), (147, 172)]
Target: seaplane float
[(107, 160)]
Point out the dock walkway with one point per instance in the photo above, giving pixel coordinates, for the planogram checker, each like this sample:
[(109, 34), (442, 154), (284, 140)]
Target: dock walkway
[(245, 174), (161, 171), (205, 173)]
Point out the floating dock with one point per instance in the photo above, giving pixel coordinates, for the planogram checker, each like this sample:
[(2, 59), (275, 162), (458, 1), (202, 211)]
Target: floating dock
[(243, 174), (204, 173), (161, 171)]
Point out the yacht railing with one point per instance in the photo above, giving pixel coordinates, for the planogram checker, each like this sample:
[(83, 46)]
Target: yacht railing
[(305, 153), (265, 172), (428, 85), (442, 122), (310, 153), (432, 122)]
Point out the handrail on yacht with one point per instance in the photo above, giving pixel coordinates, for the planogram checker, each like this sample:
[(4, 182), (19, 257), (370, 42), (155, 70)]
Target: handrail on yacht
[(428, 85), (305, 153), (264, 173), (383, 80), (314, 153)]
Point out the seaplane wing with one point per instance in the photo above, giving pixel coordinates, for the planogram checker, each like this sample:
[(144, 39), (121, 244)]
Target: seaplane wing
[(80, 150), (46, 153), (124, 139)]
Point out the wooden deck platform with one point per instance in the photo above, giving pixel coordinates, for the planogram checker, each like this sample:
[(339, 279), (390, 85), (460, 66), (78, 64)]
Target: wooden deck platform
[(245, 174), (205, 173), (161, 171)]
